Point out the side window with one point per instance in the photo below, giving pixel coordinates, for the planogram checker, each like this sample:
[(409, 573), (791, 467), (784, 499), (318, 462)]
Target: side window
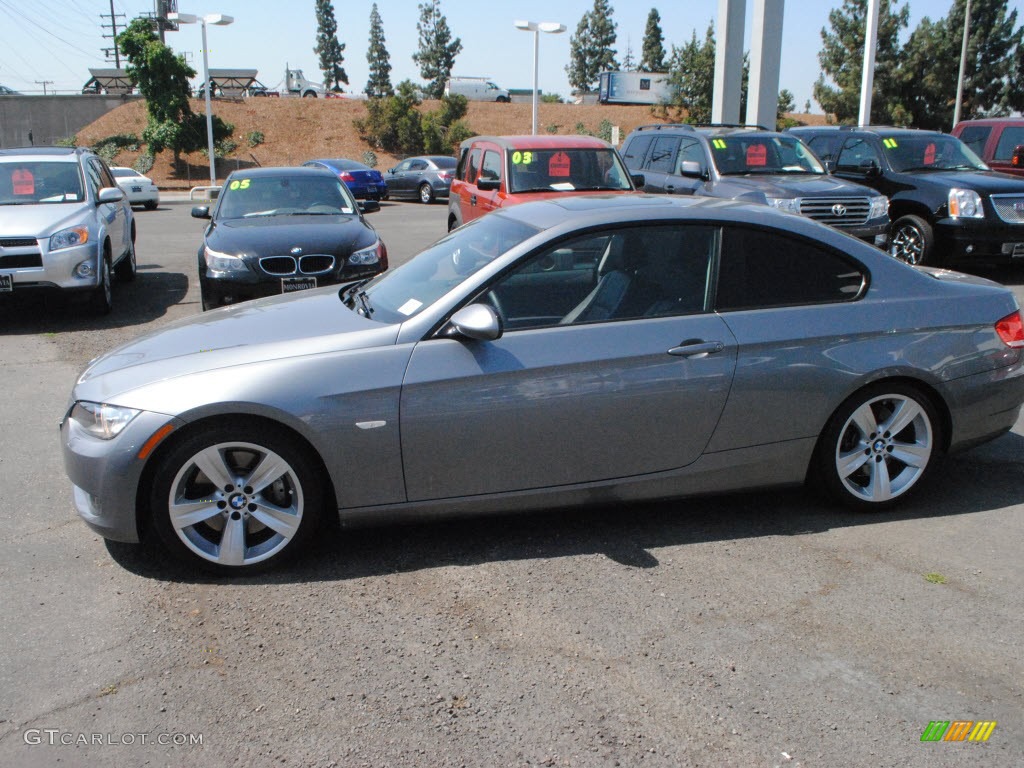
[(92, 175), (663, 153), (417, 165), (621, 274), (635, 150), (855, 152), (472, 166), (491, 168), (1011, 137), (824, 146), (761, 268), (106, 177), (403, 166), (691, 150), (975, 136)]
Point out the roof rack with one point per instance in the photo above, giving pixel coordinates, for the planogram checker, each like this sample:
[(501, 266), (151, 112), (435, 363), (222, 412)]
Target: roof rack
[(659, 126), (751, 126)]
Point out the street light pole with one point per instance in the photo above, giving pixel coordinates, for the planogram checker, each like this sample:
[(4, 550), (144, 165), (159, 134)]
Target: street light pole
[(551, 27), (221, 20)]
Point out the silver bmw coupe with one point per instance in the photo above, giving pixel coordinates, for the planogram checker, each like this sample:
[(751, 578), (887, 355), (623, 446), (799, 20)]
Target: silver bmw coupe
[(568, 352)]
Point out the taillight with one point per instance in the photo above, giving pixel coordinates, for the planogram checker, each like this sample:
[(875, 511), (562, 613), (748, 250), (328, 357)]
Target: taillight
[(444, 175), (345, 176), (1011, 330)]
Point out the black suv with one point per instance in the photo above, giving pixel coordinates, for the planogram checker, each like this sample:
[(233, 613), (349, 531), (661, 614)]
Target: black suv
[(945, 203), (756, 164)]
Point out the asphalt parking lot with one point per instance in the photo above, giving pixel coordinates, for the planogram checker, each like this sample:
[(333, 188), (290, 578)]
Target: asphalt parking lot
[(747, 630)]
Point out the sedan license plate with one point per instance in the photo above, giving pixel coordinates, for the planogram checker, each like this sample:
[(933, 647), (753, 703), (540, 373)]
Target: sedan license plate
[(6, 283), (136, 189), (292, 284)]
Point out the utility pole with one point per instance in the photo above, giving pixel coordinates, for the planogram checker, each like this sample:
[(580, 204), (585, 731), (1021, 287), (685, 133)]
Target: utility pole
[(963, 64), (44, 83), (113, 34)]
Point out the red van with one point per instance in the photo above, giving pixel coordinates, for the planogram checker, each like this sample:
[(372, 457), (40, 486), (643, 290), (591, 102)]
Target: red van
[(495, 171), (994, 139)]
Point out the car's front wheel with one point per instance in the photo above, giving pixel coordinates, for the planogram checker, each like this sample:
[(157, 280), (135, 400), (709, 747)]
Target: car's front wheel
[(913, 241), (426, 194), (101, 299), (127, 267), (236, 498), (878, 446)]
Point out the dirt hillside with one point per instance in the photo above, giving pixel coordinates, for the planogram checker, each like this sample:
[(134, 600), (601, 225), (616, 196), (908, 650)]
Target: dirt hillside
[(296, 130)]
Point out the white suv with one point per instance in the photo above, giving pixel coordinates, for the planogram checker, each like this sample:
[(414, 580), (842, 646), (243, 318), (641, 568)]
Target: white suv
[(64, 224)]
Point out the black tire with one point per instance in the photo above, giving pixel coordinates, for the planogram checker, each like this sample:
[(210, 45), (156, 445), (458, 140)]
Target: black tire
[(912, 240), (860, 463), (101, 299), (224, 527), (150, 206), (127, 267), (309, 95), (502, 99), (426, 193), (453, 222)]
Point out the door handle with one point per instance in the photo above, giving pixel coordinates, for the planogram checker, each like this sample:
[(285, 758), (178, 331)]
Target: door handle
[(670, 188), (696, 348), (472, 199)]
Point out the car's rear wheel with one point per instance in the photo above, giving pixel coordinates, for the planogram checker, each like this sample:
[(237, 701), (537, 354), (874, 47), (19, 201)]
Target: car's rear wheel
[(878, 446), (236, 498), (127, 267), (913, 241), (101, 300), (426, 194), (151, 205)]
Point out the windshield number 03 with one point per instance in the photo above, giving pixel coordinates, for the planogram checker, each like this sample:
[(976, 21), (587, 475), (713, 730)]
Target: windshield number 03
[(243, 184), (522, 158)]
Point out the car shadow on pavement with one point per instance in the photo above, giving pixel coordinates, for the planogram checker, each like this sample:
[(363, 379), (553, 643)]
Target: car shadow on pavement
[(142, 301), (987, 478)]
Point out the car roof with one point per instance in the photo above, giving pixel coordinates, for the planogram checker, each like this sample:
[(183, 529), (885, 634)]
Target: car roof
[(279, 171), (343, 163), (993, 121), (877, 130), (69, 153), (540, 142)]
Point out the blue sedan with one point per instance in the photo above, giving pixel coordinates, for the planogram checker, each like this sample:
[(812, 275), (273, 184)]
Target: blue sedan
[(362, 181)]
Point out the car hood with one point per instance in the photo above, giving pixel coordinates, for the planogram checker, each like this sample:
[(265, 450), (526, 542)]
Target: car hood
[(276, 235), (255, 331), (40, 220), (796, 185), (984, 182)]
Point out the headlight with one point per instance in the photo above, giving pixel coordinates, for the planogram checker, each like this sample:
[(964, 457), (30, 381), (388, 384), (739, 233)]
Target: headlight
[(102, 420), (366, 256), (965, 204), (879, 207), (68, 238), (787, 204), (222, 262)]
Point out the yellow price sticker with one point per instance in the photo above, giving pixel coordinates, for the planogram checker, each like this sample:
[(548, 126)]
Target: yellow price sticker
[(522, 158), (239, 184)]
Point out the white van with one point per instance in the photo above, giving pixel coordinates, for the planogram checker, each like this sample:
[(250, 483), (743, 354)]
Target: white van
[(475, 89)]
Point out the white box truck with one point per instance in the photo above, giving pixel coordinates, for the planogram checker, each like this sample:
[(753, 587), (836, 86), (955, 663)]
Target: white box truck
[(634, 88), (475, 89)]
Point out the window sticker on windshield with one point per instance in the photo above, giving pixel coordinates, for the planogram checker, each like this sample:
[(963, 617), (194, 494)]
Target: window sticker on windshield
[(890, 143), (559, 165), (718, 144), (409, 307), (757, 154), (929, 155), (239, 184), (562, 186), (522, 158), (24, 182)]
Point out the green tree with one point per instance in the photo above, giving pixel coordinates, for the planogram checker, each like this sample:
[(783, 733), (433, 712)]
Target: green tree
[(163, 80), (437, 50), (652, 57), (842, 61), (628, 61), (993, 78), (590, 49), (328, 49), (393, 123), (691, 77), (377, 57)]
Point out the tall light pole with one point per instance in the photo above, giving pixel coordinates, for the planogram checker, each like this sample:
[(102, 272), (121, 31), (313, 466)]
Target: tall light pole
[(552, 28), (220, 20), (963, 64)]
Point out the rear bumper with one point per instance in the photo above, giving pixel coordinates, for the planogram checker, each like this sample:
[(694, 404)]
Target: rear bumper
[(986, 405)]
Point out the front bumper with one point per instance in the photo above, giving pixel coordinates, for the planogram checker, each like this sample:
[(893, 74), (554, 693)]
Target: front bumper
[(221, 288), (981, 240), (35, 267), (105, 474), (874, 231)]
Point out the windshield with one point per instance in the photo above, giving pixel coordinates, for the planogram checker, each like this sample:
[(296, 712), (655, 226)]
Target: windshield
[(123, 173), (742, 154), (564, 170), (931, 152), (25, 182), (401, 293), (284, 195)]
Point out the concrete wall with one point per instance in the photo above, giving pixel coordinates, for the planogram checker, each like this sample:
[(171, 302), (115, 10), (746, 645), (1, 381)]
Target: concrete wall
[(50, 118)]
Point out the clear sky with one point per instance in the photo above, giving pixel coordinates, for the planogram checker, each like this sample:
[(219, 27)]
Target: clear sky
[(59, 40)]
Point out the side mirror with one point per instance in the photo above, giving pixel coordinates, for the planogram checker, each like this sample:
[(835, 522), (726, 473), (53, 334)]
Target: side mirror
[(201, 212), (691, 169), (391, 170), (830, 165), (1017, 159), (869, 168), (488, 185), (110, 195), (638, 180), (477, 321), (369, 206)]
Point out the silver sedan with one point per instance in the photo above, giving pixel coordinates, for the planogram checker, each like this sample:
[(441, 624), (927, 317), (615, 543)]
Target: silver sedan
[(578, 351)]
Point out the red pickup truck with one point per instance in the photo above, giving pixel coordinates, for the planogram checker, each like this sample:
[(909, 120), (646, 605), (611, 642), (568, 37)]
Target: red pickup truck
[(994, 140)]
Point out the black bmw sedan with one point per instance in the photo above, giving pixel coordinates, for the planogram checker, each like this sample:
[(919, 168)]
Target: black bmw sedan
[(279, 230)]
